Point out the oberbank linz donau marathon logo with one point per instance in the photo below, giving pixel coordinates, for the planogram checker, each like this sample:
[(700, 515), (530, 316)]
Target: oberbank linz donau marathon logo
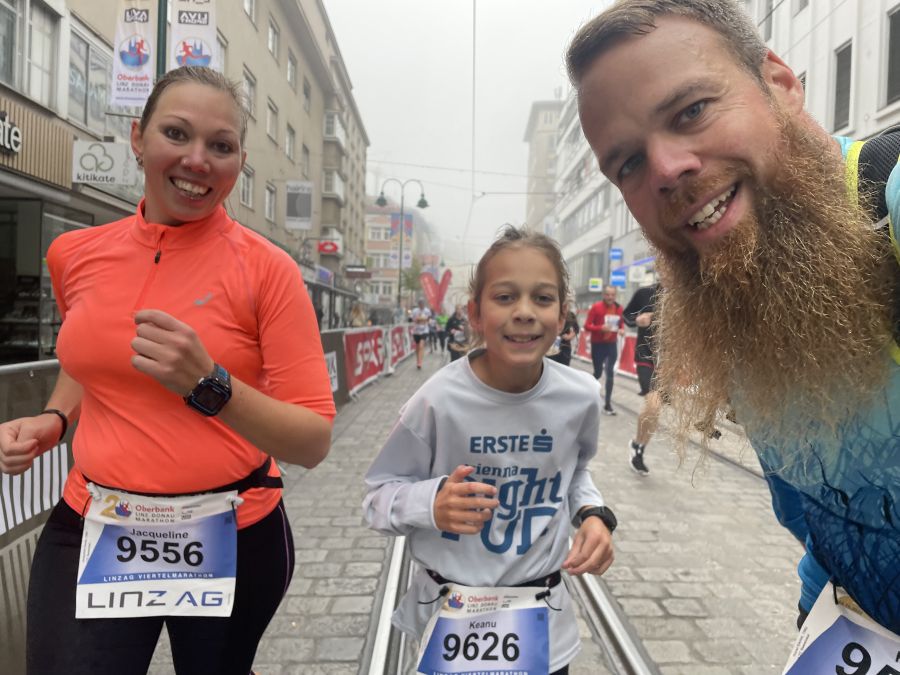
[(455, 601)]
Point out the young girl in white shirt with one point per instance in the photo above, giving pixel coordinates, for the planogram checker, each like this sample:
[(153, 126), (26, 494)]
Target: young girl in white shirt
[(485, 469)]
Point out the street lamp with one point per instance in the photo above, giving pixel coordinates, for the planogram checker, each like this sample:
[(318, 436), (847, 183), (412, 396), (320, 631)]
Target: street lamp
[(422, 204)]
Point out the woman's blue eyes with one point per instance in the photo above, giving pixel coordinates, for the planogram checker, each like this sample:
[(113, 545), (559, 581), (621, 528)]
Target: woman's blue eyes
[(176, 134)]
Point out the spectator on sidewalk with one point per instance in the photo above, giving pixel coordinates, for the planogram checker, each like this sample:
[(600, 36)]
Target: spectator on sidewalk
[(442, 319), (457, 333), (488, 463), (780, 294), (639, 312), (420, 317), (174, 397), (358, 317), (604, 322)]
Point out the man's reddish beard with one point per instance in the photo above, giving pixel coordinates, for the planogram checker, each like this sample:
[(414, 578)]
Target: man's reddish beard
[(790, 316)]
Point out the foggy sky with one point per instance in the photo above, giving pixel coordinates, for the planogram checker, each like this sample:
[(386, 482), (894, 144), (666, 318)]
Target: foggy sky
[(410, 63)]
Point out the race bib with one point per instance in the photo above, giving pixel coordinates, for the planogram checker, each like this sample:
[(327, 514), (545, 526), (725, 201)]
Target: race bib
[(612, 321), (838, 638), (484, 629), (157, 556)]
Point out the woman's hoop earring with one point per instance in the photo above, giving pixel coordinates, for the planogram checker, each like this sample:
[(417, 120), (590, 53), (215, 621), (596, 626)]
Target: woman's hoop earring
[(140, 161)]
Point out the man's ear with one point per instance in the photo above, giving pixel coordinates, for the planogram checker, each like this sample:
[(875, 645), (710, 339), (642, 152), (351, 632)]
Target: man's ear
[(786, 88)]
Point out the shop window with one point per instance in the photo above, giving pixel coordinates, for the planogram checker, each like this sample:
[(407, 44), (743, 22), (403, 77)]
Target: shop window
[(893, 78), (292, 70), (272, 39), (271, 197), (10, 39), (246, 187), (41, 53), (290, 142), (272, 120), (842, 80), (90, 70), (32, 72), (249, 86)]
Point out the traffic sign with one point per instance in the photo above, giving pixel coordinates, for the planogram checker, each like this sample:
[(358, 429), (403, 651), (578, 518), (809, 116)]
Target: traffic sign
[(615, 254), (618, 279)]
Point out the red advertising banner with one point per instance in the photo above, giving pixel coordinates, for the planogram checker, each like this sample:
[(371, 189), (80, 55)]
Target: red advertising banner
[(364, 356), (400, 344)]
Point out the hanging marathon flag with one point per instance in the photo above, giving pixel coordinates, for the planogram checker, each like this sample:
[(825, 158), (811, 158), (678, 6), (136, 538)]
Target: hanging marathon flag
[(134, 62), (194, 35)]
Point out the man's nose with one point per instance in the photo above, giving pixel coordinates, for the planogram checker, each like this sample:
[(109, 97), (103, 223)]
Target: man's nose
[(669, 160)]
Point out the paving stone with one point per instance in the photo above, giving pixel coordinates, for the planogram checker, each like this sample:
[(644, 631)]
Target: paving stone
[(353, 604), (684, 607), (357, 555), (684, 590), (363, 569), (306, 555), (668, 651), (344, 586), (306, 604), (339, 649), (320, 570), (723, 651), (640, 607)]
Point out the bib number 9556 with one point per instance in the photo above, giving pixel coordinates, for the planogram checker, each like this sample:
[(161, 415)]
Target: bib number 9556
[(859, 661), (487, 647), (149, 550)]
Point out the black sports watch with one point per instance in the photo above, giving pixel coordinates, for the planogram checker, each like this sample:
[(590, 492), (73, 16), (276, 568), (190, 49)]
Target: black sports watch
[(604, 513), (211, 393)]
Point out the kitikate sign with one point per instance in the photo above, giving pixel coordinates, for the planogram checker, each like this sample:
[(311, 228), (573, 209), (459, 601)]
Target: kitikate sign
[(102, 163), (10, 136)]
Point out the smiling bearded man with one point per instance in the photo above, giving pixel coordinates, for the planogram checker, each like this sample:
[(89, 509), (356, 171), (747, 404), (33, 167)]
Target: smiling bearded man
[(779, 295), (791, 313)]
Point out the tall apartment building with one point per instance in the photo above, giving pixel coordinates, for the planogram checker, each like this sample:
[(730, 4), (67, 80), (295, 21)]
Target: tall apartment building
[(56, 60), (847, 53), (540, 135)]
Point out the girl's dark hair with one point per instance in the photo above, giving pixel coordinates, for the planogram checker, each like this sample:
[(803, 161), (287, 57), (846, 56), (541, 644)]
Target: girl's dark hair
[(521, 237), (197, 75)]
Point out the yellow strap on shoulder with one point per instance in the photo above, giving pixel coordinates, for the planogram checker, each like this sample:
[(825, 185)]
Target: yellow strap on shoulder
[(895, 352), (852, 165)]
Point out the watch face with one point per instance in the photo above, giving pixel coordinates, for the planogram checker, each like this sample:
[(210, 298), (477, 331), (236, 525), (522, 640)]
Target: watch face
[(209, 398)]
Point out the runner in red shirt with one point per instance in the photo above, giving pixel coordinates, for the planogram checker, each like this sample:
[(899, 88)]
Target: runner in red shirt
[(605, 323)]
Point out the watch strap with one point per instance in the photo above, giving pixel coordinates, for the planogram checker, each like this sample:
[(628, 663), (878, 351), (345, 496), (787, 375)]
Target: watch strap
[(604, 513)]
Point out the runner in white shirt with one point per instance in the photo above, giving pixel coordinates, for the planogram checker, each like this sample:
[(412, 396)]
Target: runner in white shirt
[(420, 317)]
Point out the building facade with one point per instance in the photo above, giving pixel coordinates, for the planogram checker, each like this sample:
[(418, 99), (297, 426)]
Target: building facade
[(846, 52), (56, 59), (540, 135)]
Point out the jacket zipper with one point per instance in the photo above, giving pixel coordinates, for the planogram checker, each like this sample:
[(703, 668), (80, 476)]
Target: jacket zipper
[(153, 270)]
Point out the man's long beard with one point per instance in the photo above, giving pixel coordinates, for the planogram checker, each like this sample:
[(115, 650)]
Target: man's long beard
[(790, 317)]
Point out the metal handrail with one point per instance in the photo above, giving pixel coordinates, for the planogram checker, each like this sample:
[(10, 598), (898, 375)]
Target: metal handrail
[(13, 368)]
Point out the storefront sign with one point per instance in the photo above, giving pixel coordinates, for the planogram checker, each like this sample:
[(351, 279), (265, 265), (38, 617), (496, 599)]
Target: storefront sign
[(134, 59), (193, 34), (357, 272), (595, 284), (10, 136), (102, 163), (332, 363)]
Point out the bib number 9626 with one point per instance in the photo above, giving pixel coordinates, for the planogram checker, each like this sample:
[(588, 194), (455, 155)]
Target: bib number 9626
[(488, 647), (149, 550)]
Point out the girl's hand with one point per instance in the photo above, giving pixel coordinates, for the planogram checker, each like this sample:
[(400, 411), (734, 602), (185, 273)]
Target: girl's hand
[(460, 506), (169, 351), (23, 439), (592, 549)]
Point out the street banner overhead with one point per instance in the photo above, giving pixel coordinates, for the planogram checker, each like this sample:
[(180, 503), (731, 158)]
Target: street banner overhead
[(134, 62), (194, 35)]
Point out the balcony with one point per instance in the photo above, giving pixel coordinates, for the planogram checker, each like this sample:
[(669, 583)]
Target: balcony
[(333, 186), (334, 129)]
